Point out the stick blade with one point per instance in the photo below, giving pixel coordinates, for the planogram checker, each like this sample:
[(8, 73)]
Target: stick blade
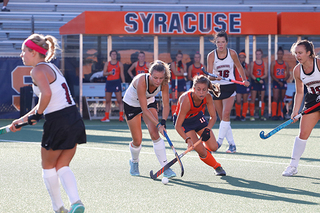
[(262, 136), (4, 130), (152, 175)]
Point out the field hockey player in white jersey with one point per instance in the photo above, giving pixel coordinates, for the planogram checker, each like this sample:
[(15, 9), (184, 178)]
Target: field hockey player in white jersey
[(139, 100), (307, 73), (221, 62), (63, 128)]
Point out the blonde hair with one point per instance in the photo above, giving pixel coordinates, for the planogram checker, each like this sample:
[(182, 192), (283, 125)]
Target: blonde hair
[(161, 66), (47, 42)]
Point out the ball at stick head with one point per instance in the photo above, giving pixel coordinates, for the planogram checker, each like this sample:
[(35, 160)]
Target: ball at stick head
[(165, 180)]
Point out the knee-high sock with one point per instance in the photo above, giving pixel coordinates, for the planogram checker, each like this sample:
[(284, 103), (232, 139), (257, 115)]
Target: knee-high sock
[(245, 109), (160, 150), (51, 180), (69, 183), (229, 136), (280, 107), (210, 160), (298, 149), (262, 108), (223, 129), (238, 109), (274, 109), (135, 151), (251, 109)]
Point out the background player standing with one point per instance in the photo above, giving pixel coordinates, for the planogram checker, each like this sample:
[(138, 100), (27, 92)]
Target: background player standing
[(140, 66)]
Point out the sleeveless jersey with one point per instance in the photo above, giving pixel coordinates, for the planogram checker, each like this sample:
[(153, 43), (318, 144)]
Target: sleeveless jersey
[(237, 74), (223, 67), (279, 70), (258, 70), (131, 95), (61, 96), (141, 69), (173, 77), (311, 80), (115, 68), (196, 70), (194, 110)]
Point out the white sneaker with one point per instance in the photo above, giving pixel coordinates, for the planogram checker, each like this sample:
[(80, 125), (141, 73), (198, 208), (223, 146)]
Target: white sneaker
[(290, 171)]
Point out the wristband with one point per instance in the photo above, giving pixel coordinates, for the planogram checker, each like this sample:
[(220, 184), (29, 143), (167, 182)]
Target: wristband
[(158, 125), (187, 139)]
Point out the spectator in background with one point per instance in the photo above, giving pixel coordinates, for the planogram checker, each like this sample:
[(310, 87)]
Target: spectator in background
[(4, 7), (141, 66), (178, 71), (195, 68), (258, 74), (279, 74), (113, 70), (242, 91)]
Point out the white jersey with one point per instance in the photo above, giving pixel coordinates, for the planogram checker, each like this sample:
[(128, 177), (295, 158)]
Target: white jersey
[(131, 95), (311, 80), (223, 67), (61, 96)]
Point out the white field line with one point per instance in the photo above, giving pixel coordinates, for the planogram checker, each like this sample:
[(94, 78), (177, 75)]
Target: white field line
[(152, 153)]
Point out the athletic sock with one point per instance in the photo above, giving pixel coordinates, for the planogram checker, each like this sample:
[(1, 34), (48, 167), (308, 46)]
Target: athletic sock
[(298, 149), (223, 129), (210, 160), (245, 109), (238, 109), (262, 108), (120, 115), (274, 109), (280, 107), (51, 180), (160, 150), (106, 115), (251, 109), (69, 183), (229, 136), (135, 151)]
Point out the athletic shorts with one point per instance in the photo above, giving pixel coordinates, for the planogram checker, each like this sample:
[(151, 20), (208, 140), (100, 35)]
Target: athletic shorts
[(242, 89), (182, 86), (227, 90), (311, 100), (255, 85), (195, 123), (277, 86), (63, 129), (113, 86), (131, 111)]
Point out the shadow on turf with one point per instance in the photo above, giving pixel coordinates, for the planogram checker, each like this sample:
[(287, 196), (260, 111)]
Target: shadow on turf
[(249, 184)]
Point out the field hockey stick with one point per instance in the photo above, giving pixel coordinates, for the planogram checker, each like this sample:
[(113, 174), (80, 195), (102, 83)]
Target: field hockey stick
[(173, 161), (283, 125), (6, 129), (175, 152), (222, 78), (176, 85)]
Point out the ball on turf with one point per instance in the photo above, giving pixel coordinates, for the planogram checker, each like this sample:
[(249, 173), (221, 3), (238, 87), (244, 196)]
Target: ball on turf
[(165, 180)]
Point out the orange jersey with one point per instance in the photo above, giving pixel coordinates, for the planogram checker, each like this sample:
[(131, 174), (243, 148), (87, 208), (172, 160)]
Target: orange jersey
[(115, 68), (141, 69), (279, 70), (196, 70), (237, 74), (194, 110), (173, 77), (258, 70)]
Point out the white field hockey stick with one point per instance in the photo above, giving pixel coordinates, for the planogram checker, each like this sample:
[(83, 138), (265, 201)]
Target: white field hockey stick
[(222, 78), (6, 129), (283, 125)]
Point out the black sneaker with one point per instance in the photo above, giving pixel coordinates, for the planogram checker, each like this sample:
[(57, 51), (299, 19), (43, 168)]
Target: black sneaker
[(220, 171), (5, 10), (237, 118), (243, 118)]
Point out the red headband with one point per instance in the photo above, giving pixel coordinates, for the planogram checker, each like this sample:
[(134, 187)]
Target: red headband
[(35, 47), (242, 53)]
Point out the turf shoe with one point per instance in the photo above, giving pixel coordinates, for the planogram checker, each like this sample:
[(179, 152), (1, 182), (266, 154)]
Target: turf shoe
[(290, 171), (77, 207), (105, 119), (243, 118), (231, 149), (134, 168), (62, 210), (252, 118), (220, 172), (169, 173)]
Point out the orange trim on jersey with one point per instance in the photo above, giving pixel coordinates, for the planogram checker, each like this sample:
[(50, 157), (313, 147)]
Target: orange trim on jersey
[(279, 70), (258, 70), (194, 110), (237, 74), (173, 77), (115, 68), (196, 70)]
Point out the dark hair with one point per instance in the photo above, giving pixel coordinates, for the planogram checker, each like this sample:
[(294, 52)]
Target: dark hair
[(179, 53), (113, 51), (222, 33), (308, 46), (201, 79), (259, 50), (280, 49), (141, 52)]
